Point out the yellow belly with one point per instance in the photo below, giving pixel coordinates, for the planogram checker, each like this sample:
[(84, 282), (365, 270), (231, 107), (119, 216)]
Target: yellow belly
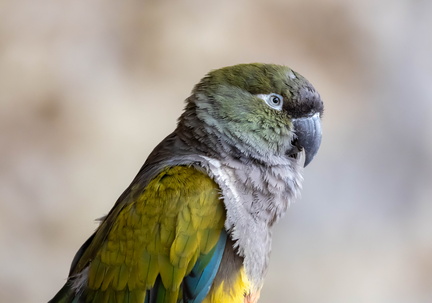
[(238, 292)]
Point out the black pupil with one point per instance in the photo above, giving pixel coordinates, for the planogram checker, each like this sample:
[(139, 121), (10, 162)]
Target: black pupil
[(275, 100)]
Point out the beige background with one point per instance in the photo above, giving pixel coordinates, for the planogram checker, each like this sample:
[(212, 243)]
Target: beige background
[(88, 88)]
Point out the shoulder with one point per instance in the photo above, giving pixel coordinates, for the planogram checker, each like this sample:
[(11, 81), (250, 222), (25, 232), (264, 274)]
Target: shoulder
[(182, 181)]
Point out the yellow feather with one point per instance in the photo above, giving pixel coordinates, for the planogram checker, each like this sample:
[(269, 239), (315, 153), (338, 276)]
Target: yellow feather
[(123, 277), (233, 293), (106, 296), (161, 231), (109, 277), (153, 270), (120, 296), (99, 272), (137, 296)]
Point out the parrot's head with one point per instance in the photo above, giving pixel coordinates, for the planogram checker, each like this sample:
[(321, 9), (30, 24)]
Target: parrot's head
[(258, 111)]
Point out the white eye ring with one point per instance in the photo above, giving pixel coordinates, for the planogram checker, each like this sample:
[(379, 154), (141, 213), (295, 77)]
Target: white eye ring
[(273, 100)]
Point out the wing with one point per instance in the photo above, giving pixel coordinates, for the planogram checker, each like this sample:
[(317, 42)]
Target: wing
[(164, 245)]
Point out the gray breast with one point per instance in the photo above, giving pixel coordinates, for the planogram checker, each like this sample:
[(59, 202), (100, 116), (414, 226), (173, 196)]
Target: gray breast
[(255, 196)]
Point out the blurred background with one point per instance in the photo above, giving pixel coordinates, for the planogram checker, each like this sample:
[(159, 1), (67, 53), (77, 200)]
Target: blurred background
[(88, 88)]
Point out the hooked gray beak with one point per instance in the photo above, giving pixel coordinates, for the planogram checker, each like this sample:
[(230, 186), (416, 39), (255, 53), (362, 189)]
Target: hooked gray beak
[(308, 136)]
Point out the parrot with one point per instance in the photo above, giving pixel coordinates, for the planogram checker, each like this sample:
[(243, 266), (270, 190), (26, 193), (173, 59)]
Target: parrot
[(195, 225)]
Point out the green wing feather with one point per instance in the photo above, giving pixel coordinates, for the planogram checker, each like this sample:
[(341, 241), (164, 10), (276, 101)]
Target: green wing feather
[(158, 234)]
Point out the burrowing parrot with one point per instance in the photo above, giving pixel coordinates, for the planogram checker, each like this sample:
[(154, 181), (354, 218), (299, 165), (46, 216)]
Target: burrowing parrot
[(195, 223)]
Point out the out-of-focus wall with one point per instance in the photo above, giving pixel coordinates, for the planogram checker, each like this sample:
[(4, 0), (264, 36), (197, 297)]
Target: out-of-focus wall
[(88, 88)]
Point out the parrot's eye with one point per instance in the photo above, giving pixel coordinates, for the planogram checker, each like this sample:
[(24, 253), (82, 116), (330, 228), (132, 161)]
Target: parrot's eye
[(273, 100)]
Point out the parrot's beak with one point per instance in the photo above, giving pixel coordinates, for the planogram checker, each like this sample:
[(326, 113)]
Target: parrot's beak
[(308, 136)]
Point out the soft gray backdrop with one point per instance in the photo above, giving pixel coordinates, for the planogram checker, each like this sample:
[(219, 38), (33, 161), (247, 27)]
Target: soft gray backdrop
[(88, 88)]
